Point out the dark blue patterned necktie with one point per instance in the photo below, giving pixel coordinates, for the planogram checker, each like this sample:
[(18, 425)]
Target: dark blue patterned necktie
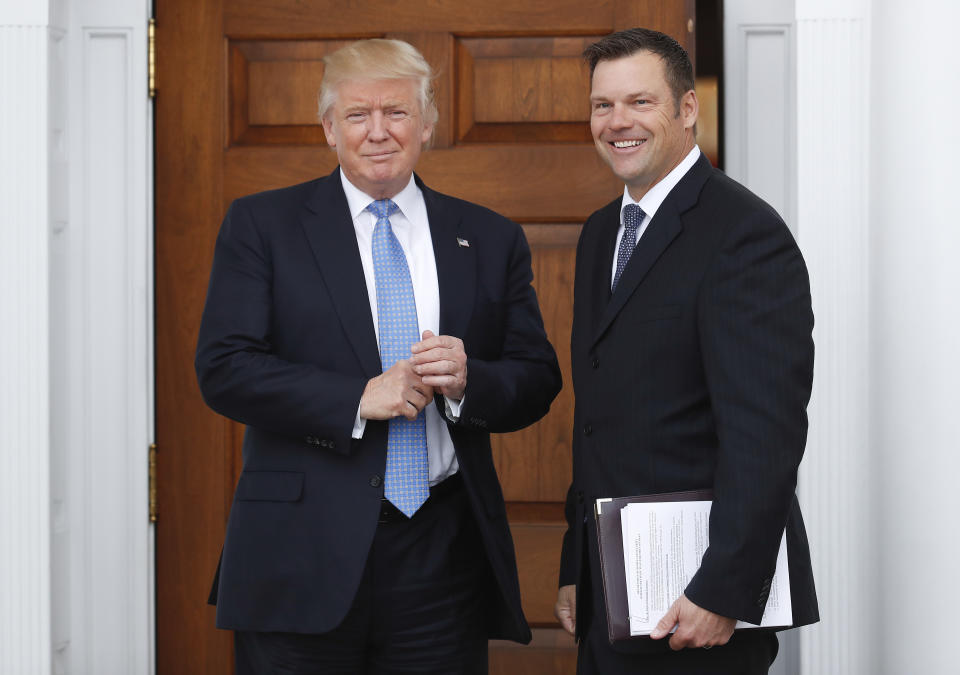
[(633, 216), (406, 483)]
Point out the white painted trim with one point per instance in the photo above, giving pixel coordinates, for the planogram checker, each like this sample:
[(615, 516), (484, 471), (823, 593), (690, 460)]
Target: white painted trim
[(24, 352), (819, 52), (839, 473), (85, 309), (112, 622)]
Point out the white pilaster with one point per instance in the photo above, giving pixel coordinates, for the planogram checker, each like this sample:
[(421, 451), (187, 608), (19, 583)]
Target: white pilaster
[(797, 132), (24, 348), (76, 364), (838, 478)]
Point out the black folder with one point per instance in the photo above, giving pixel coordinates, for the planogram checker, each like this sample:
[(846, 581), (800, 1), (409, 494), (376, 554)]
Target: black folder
[(610, 544)]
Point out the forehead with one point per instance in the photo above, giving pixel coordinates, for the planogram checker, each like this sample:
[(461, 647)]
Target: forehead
[(640, 71), (375, 92)]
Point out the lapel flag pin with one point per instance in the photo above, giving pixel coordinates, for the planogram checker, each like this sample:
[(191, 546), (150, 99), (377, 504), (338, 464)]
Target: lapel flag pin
[(463, 242)]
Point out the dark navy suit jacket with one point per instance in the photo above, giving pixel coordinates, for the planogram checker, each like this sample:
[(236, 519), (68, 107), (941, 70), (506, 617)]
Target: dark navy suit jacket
[(287, 345), (696, 374)]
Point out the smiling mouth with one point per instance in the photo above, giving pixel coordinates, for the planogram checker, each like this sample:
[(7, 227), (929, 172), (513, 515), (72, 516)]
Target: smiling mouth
[(628, 144)]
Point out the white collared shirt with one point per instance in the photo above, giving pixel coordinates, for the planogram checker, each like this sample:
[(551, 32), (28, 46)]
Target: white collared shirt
[(412, 229), (651, 201)]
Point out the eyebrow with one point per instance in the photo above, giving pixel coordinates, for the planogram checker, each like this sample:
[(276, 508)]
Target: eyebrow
[(636, 94)]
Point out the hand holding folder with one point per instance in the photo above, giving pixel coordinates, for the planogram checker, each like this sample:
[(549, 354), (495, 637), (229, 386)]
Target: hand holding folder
[(650, 546)]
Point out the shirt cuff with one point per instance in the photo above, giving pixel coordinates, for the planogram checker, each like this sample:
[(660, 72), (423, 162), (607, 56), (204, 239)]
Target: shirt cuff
[(359, 425), (452, 408)]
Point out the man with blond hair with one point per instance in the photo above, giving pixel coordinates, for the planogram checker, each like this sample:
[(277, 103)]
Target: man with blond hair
[(371, 333)]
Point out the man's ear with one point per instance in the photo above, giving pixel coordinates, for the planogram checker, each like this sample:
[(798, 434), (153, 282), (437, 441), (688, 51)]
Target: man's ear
[(689, 109), (329, 132)]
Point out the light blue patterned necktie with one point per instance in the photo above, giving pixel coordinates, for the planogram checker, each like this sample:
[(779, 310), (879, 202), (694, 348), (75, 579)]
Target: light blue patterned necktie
[(406, 483), (633, 216)]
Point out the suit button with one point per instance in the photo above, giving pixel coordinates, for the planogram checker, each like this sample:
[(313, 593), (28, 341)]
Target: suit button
[(595, 363), (587, 429), (331, 445), (312, 440), (375, 480), (580, 496)]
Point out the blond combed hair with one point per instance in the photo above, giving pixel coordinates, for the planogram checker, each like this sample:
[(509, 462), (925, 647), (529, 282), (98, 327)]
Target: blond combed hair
[(378, 59)]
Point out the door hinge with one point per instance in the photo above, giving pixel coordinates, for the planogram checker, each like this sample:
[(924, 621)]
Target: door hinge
[(152, 58), (152, 478)]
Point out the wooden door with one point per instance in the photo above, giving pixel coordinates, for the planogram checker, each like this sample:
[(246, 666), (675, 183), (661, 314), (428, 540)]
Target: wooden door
[(236, 113)]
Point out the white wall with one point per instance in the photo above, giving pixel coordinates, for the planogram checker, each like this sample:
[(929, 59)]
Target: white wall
[(76, 365), (915, 330), (24, 346), (797, 135)]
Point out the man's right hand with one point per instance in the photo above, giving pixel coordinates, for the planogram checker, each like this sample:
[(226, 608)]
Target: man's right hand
[(566, 608), (399, 392)]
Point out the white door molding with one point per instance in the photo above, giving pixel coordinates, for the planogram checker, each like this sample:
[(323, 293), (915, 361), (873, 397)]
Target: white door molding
[(76, 371), (25, 527), (797, 74)]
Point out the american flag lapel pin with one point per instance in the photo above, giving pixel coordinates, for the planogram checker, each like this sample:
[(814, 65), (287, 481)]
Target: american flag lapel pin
[(463, 242)]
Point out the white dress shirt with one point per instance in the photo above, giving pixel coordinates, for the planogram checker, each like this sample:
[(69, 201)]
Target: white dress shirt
[(651, 201), (412, 229)]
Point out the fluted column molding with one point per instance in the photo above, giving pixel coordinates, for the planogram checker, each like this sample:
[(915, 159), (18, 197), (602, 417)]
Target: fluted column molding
[(838, 476), (24, 350)]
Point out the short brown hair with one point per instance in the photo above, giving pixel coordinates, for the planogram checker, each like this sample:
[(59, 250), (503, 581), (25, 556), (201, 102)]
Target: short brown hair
[(676, 62)]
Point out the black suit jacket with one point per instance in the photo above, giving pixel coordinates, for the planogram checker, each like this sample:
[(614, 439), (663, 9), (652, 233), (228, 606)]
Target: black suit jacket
[(287, 345), (694, 374)]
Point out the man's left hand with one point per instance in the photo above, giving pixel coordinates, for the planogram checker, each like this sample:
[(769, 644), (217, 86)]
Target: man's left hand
[(696, 626), (442, 363)]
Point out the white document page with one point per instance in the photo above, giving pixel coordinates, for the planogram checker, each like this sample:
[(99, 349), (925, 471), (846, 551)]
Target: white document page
[(663, 543)]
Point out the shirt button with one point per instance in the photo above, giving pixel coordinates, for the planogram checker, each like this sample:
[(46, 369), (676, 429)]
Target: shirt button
[(375, 480)]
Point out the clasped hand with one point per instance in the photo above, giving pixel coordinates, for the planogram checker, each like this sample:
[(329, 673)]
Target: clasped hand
[(437, 363)]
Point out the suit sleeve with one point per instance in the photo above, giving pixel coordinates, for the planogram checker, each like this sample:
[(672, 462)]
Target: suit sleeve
[(573, 508), (240, 375), (755, 322), (515, 389)]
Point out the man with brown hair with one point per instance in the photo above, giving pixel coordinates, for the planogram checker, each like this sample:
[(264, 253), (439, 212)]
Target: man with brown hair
[(692, 367)]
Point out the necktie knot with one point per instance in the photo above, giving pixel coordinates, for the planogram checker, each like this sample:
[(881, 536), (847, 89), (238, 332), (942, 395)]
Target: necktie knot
[(383, 208), (633, 216)]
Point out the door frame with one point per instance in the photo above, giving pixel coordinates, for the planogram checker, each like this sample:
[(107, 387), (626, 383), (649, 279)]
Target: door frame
[(101, 317)]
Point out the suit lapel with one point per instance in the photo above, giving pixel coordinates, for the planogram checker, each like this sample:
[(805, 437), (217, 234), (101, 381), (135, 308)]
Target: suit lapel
[(662, 230), (454, 248), (329, 229), (602, 261)]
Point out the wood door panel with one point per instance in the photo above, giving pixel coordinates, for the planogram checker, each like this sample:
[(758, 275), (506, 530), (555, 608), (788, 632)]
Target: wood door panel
[(321, 17), (528, 184), (550, 651), (538, 545), (534, 463), (236, 114)]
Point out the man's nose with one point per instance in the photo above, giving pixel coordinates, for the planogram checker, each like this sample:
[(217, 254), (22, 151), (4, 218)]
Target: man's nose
[(378, 127), (619, 118)]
